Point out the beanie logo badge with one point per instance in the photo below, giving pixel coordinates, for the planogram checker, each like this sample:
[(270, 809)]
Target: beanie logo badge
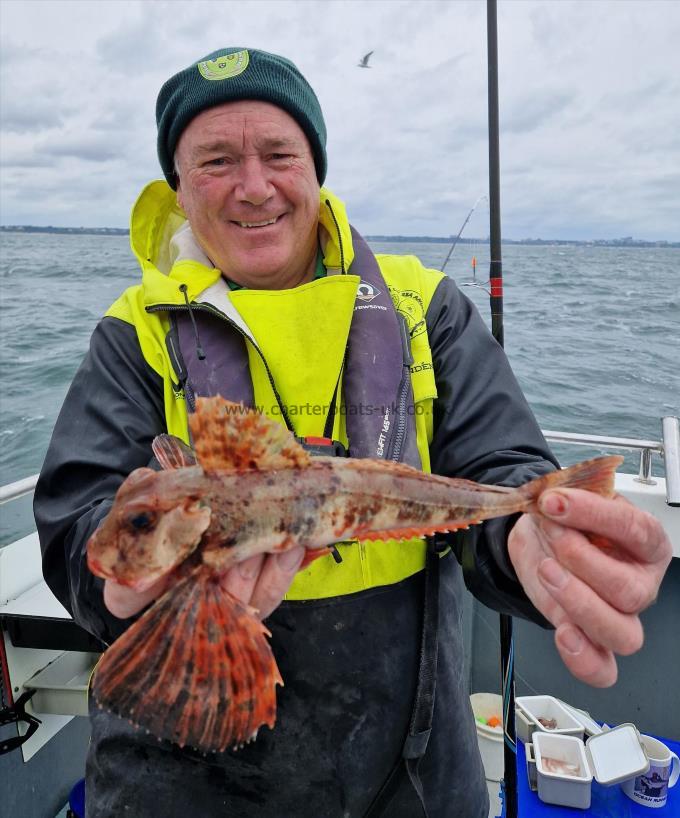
[(224, 66)]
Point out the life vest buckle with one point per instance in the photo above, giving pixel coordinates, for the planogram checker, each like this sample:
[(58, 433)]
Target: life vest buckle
[(323, 446)]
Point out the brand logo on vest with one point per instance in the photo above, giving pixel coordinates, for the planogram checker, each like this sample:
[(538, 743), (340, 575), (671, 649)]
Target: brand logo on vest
[(367, 292), (410, 305), (225, 66)]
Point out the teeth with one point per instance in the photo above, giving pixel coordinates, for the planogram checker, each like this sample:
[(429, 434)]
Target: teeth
[(257, 224)]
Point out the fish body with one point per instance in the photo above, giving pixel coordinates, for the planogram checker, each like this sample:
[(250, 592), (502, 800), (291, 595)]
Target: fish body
[(196, 668), (161, 517)]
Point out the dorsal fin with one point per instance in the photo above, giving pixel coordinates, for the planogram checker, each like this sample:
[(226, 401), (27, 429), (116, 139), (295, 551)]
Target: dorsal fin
[(172, 453), (230, 437)]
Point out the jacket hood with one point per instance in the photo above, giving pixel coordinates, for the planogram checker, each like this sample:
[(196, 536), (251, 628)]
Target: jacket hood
[(169, 255)]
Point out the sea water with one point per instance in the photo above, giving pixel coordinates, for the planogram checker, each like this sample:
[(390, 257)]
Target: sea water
[(592, 332)]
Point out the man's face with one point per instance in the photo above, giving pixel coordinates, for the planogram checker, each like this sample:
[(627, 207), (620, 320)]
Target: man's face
[(248, 186)]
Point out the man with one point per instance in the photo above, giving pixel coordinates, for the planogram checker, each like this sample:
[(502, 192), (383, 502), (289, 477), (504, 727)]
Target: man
[(255, 287)]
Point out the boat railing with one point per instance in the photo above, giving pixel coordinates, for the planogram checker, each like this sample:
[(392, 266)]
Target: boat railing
[(13, 491), (668, 448)]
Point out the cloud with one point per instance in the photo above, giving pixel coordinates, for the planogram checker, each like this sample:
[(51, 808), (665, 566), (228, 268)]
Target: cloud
[(588, 102), (22, 159), (28, 118), (12, 52), (85, 148), (536, 110), (129, 50)]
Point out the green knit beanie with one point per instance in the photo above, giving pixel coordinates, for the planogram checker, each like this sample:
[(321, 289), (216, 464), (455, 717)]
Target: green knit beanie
[(234, 74)]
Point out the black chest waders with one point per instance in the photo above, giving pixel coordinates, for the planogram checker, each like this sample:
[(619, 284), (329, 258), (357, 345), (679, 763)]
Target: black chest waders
[(420, 726)]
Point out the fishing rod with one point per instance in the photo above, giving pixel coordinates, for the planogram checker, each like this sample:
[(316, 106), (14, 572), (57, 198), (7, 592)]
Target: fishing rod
[(462, 227), (496, 305)]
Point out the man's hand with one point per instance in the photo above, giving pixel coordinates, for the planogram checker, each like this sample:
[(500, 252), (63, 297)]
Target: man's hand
[(260, 581), (592, 594)]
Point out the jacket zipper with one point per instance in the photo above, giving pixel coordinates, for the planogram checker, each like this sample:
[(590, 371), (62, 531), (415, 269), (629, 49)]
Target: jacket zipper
[(407, 358), (401, 417)]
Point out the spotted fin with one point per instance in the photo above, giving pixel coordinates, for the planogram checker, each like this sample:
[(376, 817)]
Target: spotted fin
[(172, 453), (230, 437), (196, 669)]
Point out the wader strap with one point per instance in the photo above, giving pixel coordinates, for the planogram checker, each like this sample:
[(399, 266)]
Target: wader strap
[(423, 706)]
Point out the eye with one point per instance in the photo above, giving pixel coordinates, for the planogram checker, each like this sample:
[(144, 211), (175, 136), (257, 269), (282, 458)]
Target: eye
[(143, 521)]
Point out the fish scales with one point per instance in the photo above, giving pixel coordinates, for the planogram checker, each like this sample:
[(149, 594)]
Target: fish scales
[(253, 512), (196, 668)]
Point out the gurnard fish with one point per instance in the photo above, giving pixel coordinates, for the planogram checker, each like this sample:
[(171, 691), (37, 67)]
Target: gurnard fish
[(196, 668)]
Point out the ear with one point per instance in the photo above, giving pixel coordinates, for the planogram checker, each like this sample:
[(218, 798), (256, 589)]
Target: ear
[(180, 198)]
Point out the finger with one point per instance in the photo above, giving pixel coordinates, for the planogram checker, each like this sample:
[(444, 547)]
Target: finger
[(527, 547), (240, 580), (624, 524), (590, 663), (602, 624), (625, 585), (278, 571), (124, 602)]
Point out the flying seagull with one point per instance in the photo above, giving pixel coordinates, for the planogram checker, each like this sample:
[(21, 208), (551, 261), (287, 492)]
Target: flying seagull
[(364, 61)]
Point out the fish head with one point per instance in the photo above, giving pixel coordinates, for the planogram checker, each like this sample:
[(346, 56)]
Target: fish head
[(154, 524)]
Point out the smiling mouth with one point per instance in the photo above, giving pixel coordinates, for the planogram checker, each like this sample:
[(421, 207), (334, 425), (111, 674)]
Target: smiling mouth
[(251, 225)]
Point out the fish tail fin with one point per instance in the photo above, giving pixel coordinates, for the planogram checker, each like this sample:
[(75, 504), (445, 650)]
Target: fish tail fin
[(195, 669), (596, 475)]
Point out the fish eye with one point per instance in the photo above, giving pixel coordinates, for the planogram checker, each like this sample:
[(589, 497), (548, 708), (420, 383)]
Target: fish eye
[(142, 521)]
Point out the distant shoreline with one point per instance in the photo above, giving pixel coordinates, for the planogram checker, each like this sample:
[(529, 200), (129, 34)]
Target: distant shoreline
[(628, 241)]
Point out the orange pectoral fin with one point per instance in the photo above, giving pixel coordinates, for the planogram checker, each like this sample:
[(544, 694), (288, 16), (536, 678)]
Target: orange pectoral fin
[(196, 669)]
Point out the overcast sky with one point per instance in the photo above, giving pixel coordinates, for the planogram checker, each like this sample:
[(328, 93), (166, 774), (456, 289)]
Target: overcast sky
[(589, 107)]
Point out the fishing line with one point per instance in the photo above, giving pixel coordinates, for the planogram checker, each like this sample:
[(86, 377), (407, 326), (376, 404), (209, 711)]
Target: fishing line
[(462, 227), (476, 250)]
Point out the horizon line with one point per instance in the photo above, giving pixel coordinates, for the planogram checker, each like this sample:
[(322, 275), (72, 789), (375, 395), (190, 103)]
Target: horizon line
[(397, 237)]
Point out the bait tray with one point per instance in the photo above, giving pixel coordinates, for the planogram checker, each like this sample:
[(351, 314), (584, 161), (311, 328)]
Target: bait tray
[(610, 757)]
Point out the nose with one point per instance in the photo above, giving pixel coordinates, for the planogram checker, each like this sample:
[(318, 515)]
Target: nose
[(254, 185)]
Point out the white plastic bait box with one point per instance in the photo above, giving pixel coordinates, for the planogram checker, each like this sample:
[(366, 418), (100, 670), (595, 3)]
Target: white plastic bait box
[(610, 757), (529, 710)]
